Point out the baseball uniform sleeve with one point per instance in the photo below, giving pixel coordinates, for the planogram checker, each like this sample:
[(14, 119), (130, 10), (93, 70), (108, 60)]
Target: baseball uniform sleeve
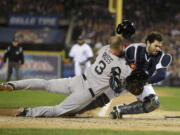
[(72, 52), (161, 69), (164, 61), (130, 54), (89, 52)]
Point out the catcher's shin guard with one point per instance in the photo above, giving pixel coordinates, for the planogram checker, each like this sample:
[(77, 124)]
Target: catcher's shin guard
[(149, 104)]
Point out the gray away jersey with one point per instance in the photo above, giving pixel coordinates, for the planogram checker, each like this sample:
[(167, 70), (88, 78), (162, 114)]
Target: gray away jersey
[(98, 74)]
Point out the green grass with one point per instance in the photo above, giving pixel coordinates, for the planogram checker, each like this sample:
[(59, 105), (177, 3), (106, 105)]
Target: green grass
[(171, 90), (80, 132), (29, 99), (40, 98), (172, 101)]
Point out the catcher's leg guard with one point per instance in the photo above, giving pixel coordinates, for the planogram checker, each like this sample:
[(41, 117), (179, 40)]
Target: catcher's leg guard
[(6, 87), (149, 104)]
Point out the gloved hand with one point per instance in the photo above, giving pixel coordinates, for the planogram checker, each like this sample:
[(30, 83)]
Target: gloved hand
[(114, 81)]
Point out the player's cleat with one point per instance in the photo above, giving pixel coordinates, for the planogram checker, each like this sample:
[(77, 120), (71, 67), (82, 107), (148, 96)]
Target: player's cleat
[(6, 87), (116, 113), (22, 112)]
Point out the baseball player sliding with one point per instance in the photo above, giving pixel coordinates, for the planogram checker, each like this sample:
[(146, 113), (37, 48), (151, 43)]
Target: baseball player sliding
[(80, 90)]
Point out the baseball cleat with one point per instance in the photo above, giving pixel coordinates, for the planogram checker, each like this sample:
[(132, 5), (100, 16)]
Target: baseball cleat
[(6, 87), (22, 112)]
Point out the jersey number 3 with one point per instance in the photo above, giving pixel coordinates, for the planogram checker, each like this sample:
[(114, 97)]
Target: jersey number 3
[(99, 68)]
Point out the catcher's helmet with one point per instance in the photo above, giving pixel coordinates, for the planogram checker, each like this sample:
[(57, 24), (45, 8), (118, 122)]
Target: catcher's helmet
[(126, 28)]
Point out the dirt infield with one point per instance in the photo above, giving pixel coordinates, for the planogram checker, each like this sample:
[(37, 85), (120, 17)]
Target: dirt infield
[(90, 120)]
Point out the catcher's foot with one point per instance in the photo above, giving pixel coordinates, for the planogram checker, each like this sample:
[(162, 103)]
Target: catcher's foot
[(6, 87), (116, 113), (22, 112)]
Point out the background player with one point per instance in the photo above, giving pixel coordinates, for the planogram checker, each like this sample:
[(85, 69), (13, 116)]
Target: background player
[(80, 90), (81, 53), (149, 57), (15, 57)]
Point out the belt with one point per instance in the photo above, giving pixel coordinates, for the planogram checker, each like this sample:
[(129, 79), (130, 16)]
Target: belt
[(90, 89)]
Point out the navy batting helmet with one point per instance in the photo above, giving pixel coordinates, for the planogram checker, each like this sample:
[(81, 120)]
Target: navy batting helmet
[(126, 28)]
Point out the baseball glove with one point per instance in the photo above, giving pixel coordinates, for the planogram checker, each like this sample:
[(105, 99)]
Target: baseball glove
[(135, 82), (114, 81)]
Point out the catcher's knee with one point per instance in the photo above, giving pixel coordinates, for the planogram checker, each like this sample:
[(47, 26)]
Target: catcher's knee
[(151, 103)]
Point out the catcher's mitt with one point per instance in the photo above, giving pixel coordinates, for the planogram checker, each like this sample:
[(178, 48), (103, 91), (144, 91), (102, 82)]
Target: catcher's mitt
[(135, 82)]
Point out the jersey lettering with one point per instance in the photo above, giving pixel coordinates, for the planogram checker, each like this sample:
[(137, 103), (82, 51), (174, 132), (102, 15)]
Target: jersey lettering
[(107, 58), (100, 68)]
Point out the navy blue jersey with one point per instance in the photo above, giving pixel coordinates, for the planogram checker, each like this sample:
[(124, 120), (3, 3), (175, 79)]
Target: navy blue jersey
[(155, 65), (14, 54)]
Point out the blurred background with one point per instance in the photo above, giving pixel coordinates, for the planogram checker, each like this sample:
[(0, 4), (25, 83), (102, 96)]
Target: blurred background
[(47, 29)]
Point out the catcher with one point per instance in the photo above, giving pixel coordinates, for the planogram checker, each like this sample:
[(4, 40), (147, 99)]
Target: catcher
[(150, 66)]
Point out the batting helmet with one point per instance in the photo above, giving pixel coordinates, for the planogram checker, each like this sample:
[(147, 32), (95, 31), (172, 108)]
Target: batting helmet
[(126, 28)]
